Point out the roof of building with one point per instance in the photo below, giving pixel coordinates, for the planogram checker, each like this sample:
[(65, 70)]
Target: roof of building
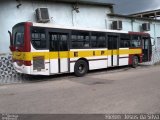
[(133, 17), (145, 12), (153, 14), (85, 2)]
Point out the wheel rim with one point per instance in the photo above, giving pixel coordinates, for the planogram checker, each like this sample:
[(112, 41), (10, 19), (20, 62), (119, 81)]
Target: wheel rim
[(81, 68)]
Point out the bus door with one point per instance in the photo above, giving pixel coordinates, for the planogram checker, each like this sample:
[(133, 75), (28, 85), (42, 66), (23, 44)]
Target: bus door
[(59, 55), (113, 51), (146, 49)]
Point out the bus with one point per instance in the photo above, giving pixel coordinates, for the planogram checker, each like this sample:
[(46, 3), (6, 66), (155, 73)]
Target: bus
[(46, 49)]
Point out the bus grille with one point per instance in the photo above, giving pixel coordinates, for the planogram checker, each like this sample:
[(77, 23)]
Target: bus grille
[(38, 63)]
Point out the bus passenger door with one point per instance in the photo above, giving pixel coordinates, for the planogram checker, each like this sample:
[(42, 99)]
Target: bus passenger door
[(146, 49), (59, 55), (113, 51)]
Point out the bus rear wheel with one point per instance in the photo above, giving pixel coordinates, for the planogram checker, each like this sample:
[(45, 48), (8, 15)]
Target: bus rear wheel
[(80, 68), (135, 61)]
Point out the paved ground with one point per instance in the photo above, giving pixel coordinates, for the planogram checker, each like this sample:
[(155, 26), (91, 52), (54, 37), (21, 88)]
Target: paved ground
[(124, 91)]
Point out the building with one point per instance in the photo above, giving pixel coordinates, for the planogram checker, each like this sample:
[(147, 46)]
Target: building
[(70, 13), (78, 14), (153, 14), (89, 14)]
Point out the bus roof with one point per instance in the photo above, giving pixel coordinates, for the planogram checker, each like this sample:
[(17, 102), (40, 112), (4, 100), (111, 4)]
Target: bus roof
[(49, 25)]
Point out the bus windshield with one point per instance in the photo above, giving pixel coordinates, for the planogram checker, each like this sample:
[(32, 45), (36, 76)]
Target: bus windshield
[(18, 35)]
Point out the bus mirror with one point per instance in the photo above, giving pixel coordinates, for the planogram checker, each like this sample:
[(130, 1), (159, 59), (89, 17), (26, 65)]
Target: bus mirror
[(11, 40), (153, 43)]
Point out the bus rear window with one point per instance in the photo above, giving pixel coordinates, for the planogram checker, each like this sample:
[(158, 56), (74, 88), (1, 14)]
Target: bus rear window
[(18, 35)]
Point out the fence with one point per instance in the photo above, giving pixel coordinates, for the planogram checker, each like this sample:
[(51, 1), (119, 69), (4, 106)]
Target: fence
[(7, 72)]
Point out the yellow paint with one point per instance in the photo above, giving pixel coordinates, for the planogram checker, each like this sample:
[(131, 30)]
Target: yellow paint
[(109, 52), (135, 51), (115, 52), (53, 55), (28, 56), (63, 54)]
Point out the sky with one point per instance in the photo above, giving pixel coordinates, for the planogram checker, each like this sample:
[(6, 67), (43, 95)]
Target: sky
[(132, 6)]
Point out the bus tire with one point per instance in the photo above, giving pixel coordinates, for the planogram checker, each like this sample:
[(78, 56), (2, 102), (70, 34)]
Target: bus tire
[(135, 61), (80, 68)]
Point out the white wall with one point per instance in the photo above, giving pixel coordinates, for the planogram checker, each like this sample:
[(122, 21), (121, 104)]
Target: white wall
[(61, 14)]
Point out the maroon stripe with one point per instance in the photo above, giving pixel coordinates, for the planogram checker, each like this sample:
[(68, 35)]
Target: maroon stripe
[(98, 59), (92, 60), (123, 57)]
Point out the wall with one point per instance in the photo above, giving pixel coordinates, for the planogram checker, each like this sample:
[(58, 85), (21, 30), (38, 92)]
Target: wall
[(135, 25), (60, 14)]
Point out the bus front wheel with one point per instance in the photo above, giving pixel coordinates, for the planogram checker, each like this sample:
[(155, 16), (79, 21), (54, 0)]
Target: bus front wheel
[(81, 68), (135, 61)]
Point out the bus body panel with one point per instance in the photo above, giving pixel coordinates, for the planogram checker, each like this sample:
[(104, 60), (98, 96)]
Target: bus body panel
[(22, 69), (39, 62), (59, 57), (123, 57), (97, 58)]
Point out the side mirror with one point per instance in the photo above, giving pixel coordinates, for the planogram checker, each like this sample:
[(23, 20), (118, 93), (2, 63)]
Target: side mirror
[(11, 41)]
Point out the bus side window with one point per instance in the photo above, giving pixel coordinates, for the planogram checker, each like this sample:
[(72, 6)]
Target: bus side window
[(136, 41), (112, 42), (124, 41), (39, 38), (80, 40), (98, 40)]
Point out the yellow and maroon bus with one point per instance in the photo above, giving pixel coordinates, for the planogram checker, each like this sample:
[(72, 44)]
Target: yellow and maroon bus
[(46, 49)]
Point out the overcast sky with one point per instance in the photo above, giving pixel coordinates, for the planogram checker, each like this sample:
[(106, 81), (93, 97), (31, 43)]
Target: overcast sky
[(132, 6)]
